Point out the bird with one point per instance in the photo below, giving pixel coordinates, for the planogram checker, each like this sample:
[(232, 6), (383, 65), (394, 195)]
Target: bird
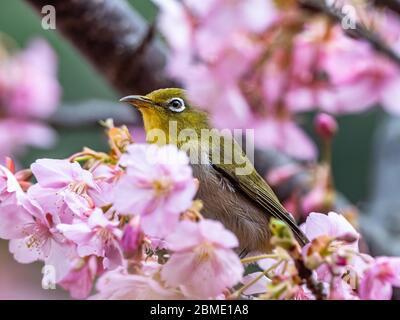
[(242, 201)]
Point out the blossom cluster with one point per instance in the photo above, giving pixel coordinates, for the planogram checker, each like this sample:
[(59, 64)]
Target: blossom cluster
[(29, 94), (259, 63), (128, 222), (339, 271), (128, 216)]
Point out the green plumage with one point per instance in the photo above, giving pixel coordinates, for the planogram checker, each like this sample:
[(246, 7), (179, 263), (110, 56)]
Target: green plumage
[(243, 202)]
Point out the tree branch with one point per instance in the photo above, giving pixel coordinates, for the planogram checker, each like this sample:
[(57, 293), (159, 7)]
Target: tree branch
[(116, 39)]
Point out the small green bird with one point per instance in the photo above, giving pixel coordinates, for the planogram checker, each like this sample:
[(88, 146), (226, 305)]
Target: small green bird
[(242, 201)]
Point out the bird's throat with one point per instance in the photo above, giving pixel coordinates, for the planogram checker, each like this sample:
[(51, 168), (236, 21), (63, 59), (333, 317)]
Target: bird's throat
[(161, 131), (150, 119)]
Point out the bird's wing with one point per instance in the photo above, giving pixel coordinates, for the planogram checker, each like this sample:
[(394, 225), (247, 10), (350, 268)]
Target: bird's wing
[(251, 183)]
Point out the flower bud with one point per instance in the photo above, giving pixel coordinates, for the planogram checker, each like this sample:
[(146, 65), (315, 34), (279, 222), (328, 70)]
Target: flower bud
[(282, 236), (24, 175), (325, 125)]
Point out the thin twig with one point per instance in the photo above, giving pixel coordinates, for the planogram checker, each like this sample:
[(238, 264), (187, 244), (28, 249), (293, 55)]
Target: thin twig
[(315, 287), (256, 258), (116, 39)]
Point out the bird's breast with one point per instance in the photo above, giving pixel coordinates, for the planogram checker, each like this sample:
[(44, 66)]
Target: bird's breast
[(224, 202)]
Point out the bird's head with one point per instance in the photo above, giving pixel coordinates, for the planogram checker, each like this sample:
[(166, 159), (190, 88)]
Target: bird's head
[(166, 107)]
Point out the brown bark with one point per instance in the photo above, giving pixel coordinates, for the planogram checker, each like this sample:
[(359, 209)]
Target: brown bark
[(116, 39)]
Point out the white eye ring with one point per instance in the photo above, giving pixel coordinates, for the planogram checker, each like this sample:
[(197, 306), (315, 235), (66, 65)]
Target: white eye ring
[(176, 105)]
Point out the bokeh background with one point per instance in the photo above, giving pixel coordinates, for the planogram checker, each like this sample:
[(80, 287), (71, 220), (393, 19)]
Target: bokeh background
[(353, 149)]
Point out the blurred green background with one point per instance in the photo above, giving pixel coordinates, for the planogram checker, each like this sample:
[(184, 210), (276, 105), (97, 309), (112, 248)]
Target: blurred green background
[(352, 151)]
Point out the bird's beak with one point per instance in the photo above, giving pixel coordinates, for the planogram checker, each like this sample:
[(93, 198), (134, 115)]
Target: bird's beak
[(138, 101)]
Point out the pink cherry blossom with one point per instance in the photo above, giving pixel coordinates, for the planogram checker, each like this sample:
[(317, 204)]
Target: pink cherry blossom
[(132, 236), (341, 290), (228, 53), (217, 34), (16, 134), (325, 125), (372, 79), (346, 260), (220, 21), (9, 185), (104, 176), (13, 215), (57, 174), (158, 185), (174, 13), (33, 236), (62, 188), (379, 279), (157, 243), (221, 58), (97, 236), (286, 136), (303, 293), (356, 77), (29, 92), (79, 281), (125, 219), (315, 199), (332, 224), (203, 263), (28, 82), (120, 285)]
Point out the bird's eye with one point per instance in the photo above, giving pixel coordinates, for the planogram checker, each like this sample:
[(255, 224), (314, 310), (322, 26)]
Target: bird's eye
[(176, 105)]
